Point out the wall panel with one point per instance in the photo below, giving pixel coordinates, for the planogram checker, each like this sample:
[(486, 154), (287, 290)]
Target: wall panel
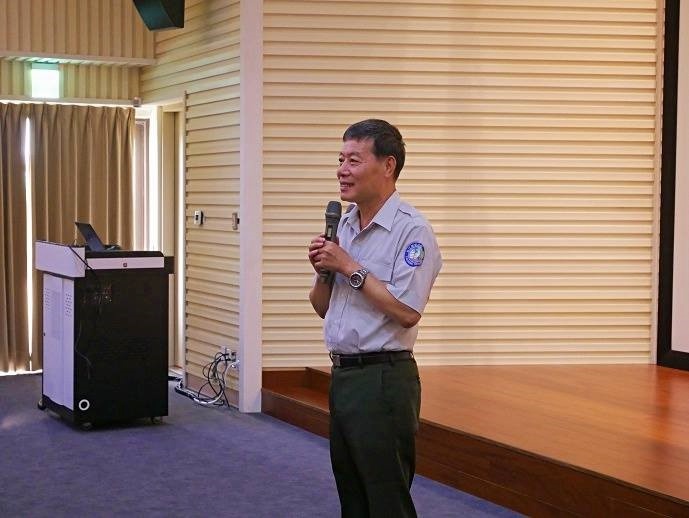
[(102, 31), (79, 81), (212, 250), (531, 136), (202, 57), (201, 64), (13, 77), (99, 81)]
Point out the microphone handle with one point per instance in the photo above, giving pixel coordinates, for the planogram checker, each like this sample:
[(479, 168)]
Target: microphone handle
[(326, 276)]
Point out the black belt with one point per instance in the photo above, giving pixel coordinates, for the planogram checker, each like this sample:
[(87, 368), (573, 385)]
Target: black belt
[(355, 360)]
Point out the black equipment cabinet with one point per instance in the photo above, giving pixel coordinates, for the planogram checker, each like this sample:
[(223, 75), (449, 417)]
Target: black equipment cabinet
[(105, 334)]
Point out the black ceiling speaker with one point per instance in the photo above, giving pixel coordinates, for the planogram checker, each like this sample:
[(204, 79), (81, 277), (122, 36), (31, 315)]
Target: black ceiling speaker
[(161, 14)]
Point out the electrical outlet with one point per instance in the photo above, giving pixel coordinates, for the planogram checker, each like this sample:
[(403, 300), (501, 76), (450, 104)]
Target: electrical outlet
[(228, 353)]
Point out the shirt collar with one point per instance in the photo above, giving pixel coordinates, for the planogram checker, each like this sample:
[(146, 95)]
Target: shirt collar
[(385, 215)]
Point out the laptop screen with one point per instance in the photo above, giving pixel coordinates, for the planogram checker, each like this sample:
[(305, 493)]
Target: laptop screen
[(92, 240)]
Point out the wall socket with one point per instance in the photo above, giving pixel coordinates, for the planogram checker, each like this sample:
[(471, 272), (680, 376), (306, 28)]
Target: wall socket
[(232, 355)]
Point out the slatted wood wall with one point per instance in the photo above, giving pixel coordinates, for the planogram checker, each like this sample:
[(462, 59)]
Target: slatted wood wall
[(531, 130), (99, 81), (200, 63), (79, 81), (531, 135), (12, 78), (78, 29), (99, 46)]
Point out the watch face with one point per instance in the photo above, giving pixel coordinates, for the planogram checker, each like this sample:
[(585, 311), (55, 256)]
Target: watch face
[(356, 280)]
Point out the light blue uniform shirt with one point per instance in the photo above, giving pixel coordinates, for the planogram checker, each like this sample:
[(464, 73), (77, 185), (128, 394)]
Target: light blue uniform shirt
[(399, 248)]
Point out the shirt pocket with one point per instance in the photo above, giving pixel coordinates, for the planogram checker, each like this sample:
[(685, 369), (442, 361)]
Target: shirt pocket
[(380, 270)]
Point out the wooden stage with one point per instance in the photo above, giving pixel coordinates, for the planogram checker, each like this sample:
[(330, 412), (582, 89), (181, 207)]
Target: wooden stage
[(544, 440)]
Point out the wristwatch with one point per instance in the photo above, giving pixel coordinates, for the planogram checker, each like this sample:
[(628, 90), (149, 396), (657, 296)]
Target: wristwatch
[(357, 279)]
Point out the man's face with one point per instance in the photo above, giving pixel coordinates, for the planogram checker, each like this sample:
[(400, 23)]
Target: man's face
[(362, 176)]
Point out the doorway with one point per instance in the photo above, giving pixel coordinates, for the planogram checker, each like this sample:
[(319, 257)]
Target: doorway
[(159, 205)]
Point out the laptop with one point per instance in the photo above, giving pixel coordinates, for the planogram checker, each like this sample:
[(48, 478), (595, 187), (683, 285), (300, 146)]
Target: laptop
[(92, 240)]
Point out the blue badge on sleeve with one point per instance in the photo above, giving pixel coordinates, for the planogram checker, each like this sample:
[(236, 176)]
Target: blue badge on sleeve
[(414, 254)]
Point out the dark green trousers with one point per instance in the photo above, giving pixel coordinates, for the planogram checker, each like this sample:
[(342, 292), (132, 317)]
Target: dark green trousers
[(374, 417)]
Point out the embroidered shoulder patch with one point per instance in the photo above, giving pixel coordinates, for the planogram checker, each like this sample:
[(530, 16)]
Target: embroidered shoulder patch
[(414, 254)]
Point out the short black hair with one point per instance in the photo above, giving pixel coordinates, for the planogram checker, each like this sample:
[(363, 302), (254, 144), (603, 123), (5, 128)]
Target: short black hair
[(387, 139)]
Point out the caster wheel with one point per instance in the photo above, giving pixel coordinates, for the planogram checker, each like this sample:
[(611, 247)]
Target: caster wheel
[(156, 420), (40, 404), (86, 426)]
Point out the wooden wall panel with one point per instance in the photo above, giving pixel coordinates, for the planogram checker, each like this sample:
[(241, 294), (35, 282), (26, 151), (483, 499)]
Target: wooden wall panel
[(201, 64), (99, 46), (79, 81), (103, 30), (13, 77), (531, 136), (99, 81), (201, 57)]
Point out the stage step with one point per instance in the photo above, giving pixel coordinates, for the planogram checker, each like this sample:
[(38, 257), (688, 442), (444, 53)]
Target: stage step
[(528, 482), (299, 397)]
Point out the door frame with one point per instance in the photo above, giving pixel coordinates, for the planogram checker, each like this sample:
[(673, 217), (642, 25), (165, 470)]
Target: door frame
[(672, 351)]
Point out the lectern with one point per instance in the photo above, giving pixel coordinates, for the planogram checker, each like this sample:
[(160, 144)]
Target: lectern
[(105, 333)]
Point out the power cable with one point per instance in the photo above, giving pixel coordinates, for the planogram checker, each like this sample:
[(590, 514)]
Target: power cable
[(215, 374)]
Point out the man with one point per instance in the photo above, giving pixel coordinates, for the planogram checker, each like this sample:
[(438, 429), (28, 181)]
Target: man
[(384, 263)]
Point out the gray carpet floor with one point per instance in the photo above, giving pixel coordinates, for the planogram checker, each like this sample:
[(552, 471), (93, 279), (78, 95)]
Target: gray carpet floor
[(198, 462)]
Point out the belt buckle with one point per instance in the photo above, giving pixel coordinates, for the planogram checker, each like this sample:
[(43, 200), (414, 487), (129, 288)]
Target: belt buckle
[(335, 359)]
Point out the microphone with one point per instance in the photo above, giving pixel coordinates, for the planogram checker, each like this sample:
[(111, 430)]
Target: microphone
[(333, 213)]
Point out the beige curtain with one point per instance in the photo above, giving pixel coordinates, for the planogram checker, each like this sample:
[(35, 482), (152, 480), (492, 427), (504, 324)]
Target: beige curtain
[(14, 318), (82, 171)]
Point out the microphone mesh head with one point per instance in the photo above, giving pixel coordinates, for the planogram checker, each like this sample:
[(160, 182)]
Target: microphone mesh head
[(334, 209)]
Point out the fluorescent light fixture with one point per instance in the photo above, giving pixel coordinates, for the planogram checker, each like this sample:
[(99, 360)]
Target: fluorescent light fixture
[(45, 80)]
